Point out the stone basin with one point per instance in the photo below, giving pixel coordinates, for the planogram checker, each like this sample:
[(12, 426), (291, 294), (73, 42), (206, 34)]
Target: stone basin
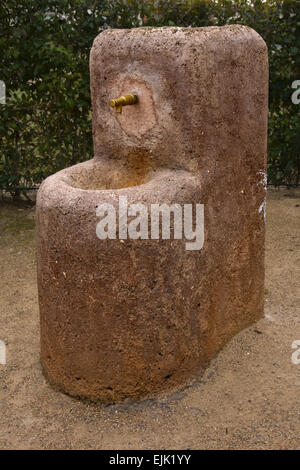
[(132, 318)]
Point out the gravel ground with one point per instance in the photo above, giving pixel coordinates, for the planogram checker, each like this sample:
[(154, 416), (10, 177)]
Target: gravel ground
[(248, 398)]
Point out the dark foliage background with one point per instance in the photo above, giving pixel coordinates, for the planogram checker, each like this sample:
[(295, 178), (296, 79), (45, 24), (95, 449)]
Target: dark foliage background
[(45, 124)]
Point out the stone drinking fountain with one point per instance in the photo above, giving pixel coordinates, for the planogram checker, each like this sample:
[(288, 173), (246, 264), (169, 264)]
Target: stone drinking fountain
[(179, 117)]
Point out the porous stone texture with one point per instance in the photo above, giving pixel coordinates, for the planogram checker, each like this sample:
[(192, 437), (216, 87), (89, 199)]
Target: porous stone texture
[(133, 318)]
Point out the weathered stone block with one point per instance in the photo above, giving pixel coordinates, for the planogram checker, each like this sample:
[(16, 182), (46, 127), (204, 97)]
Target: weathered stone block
[(133, 318)]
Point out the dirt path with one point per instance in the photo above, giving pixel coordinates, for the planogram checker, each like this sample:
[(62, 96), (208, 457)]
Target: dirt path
[(248, 398)]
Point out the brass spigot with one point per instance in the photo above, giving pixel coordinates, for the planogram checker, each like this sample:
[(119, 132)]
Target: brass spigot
[(118, 103)]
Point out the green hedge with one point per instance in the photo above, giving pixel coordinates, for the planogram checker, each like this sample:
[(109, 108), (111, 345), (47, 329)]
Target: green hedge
[(45, 124)]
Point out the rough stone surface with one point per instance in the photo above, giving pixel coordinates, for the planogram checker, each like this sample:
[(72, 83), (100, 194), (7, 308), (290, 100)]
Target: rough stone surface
[(135, 318)]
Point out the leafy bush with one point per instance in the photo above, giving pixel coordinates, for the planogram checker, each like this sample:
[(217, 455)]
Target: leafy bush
[(45, 124)]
